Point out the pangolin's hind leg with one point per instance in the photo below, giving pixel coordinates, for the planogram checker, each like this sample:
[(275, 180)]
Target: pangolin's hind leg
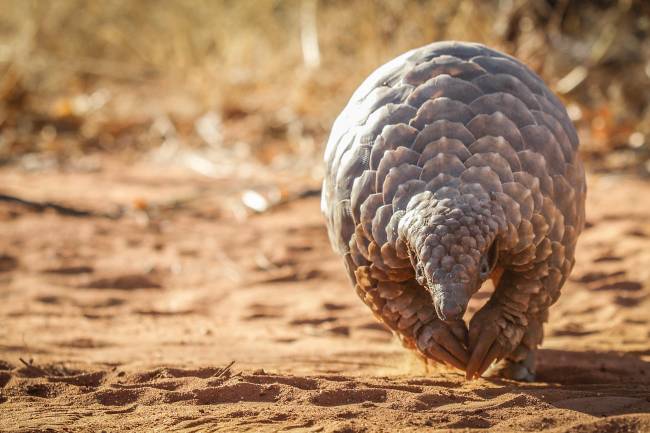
[(520, 364)]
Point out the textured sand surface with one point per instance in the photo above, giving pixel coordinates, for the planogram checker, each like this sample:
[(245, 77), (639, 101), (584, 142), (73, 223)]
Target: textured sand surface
[(130, 323)]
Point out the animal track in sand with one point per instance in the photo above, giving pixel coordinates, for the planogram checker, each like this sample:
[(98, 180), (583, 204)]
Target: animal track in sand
[(437, 399), (262, 311), (473, 422), (637, 232), (83, 343), (93, 379), (608, 258), (50, 299), (171, 372), (572, 330), (610, 281), (237, 392), (164, 384), (118, 397), (591, 277), (340, 397), (69, 270), (629, 302), (8, 263), (4, 378), (375, 326), (331, 306), (627, 286), (434, 382), (123, 282), (406, 388), (296, 382), (312, 321)]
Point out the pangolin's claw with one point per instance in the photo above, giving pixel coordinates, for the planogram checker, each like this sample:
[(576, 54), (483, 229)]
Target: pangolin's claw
[(449, 342), (492, 355), (440, 341), (485, 345), (484, 349), (441, 354)]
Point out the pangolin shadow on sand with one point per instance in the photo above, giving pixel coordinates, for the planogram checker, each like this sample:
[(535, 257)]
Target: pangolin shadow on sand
[(592, 382), (591, 367)]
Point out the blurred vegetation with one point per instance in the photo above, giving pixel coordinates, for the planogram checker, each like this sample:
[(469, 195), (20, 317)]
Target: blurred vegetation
[(264, 79)]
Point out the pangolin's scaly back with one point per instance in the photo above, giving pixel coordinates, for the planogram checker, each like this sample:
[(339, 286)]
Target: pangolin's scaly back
[(461, 117)]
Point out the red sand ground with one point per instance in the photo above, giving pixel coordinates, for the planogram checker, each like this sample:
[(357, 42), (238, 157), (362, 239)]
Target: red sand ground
[(129, 323)]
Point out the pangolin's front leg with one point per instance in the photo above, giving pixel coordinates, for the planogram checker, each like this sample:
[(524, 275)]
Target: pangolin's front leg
[(521, 362), (498, 328), (538, 295), (407, 310)]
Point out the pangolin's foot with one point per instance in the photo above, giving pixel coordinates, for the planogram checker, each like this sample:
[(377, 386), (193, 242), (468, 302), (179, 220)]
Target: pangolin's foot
[(492, 335), (522, 370), (444, 342)]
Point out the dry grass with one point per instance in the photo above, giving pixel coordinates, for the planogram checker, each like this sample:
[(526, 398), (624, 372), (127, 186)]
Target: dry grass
[(277, 72)]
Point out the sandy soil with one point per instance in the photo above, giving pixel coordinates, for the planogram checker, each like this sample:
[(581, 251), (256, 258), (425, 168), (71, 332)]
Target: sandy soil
[(131, 323)]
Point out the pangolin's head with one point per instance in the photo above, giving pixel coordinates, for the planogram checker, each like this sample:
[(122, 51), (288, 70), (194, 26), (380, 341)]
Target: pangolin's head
[(453, 244)]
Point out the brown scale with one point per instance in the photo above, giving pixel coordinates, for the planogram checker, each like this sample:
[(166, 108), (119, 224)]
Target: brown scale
[(450, 165)]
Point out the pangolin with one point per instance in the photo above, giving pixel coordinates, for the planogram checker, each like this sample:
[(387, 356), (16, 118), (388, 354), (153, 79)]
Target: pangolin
[(451, 164)]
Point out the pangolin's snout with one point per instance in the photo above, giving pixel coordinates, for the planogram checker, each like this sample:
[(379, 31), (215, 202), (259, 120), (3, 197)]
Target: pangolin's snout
[(450, 301), (450, 311)]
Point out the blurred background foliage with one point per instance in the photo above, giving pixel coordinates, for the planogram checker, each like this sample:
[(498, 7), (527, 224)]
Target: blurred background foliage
[(219, 82)]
